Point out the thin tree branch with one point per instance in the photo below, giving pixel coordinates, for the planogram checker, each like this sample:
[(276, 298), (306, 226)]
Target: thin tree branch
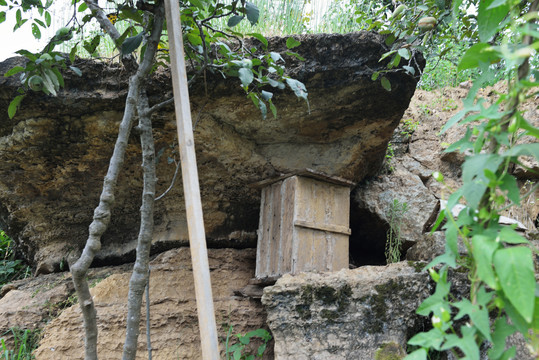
[(103, 211), (148, 335), (177, 162), (139, 277), (161, 105)]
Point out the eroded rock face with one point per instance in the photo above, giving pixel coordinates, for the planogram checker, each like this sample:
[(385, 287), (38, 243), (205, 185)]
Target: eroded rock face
[(173, 315), (55, 152), (345, 315)]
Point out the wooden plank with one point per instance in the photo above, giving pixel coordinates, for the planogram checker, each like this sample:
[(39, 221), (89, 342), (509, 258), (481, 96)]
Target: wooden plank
[(287, 228), (340, 254), (308, 173), (262, 256), (275, 238), (304, 239), (193, 205), (323, 227)]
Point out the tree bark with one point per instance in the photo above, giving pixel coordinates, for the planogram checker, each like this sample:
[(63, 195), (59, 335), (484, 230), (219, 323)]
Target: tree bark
[(139, 277), (102, 213)]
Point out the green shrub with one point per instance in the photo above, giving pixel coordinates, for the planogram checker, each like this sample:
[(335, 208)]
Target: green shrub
[(25, 342), (10, 268)]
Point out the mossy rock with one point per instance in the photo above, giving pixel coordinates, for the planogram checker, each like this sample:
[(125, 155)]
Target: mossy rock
[(390, 351)]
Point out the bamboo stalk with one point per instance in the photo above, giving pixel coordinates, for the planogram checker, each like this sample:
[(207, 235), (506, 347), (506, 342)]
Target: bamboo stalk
[(195, 224)]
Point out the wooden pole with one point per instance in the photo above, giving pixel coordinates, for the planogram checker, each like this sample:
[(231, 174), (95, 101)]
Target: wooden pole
[(191, 190)]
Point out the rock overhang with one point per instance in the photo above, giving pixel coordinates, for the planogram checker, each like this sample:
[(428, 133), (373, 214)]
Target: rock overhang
[(53, 172)]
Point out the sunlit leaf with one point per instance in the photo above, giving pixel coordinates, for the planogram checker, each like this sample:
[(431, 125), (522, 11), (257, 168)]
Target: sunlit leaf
[(478, 53), (246, 76), (266, 95), (514, 267), (292, 43), (297, 87), (502, 330), (260, 38), (405, 53), (14, 106), (420, 354), (489, 19), (483, 251), (13, 71)]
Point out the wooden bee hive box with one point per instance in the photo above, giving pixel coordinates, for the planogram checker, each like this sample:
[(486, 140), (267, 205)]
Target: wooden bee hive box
[(304, 226)]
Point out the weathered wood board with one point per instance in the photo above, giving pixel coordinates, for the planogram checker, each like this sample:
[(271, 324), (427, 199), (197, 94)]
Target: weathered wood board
[(304, 226)]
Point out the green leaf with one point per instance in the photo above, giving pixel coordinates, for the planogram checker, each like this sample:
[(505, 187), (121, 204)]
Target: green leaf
[(478, 313), (252, 12), (273, 109), (246, 76), (48, 84), (295, 54), (266, 95), (14, 70), (510, 236), (48, 18), (429, 339), (275, 56), (509, 184), (375, 75), (535, 322), (53, 78), (35, 31), (59, 77), (501, 331), (14, 106), (297, 87), (76, 70), (467, 343), (489, 19), (234, 20), (260, 38), (385, 83), (514, 267), (2, 16), (524, 149), (92, 45), (410, 69), (497, 3), (261, 350), (73, 53), (263, 109), (27, 54), (82, 7), (477, 54), (131, 44), (473, 176), (198, 3), (483, 249), (292, 43), (387, 54), (405, 53), (419, 354)]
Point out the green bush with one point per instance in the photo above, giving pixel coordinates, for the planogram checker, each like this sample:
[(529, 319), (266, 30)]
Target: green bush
[(25, 342), (10, 268)]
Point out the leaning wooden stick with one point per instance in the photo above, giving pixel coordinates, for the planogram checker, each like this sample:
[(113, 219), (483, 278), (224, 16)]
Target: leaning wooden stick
[(191, 190)]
